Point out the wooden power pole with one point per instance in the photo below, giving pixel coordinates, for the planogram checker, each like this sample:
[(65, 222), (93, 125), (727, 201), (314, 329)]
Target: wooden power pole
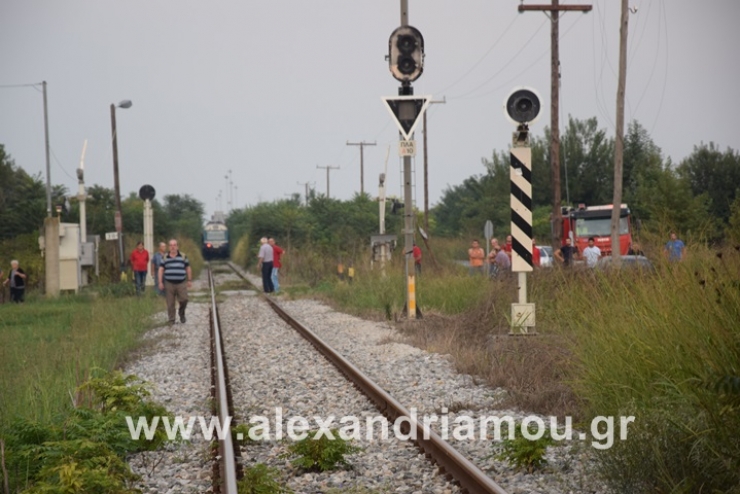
[(362, 162), (328, 169), (619, 142), (554, 10)]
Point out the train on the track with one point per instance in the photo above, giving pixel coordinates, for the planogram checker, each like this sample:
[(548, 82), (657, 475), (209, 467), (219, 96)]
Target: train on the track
[(215, 238)]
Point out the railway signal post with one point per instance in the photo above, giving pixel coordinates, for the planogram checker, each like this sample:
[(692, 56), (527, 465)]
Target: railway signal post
[(406, 63), (147, 193), (522, 108)]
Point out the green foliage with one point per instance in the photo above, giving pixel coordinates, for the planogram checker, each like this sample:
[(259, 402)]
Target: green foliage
[(22, 199), (321, 454), (733, 228), (261, 479), (523, 453), (84, 449), (708, 170), (242, 429), (665, 349), (240, 253)]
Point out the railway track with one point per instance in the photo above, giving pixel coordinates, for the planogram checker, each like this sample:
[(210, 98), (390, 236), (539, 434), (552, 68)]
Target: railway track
[(453, 465)]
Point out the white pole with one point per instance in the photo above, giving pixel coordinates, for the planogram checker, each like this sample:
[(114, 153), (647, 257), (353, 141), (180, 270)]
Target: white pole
[(149, 234)]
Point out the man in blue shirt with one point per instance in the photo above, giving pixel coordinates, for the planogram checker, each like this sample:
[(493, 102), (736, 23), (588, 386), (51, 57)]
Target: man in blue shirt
[(675, 249), (175, 277)]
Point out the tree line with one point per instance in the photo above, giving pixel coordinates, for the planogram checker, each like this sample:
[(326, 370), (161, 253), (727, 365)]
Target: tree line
[(698, 196), (23, 207)]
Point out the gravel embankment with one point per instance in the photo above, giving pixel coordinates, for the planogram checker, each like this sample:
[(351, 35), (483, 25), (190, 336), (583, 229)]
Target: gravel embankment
[(177, 364), (430, 383), (272, 367)]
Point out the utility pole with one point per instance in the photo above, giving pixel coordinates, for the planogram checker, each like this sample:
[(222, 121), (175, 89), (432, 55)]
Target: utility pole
[(46, 142), (619, 143), (328, 168), (426, 168), (305, 184), (229, 190), (554, 9), (362, 162)]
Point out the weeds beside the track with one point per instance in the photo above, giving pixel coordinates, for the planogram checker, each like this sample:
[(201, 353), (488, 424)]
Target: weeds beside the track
[(47, 348), (662, 346)]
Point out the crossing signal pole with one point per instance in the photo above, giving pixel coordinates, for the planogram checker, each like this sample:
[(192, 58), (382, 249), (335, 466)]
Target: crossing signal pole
[(522, 108), (406, 63), (554, 10), (362, 162)]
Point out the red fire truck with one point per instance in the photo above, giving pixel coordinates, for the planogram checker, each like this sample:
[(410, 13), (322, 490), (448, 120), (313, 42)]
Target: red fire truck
[(595, 221)]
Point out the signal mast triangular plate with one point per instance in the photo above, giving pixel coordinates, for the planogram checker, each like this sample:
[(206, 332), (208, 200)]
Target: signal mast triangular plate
[(407, 119)]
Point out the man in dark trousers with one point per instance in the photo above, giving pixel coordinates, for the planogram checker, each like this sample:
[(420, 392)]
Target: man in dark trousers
[(277, 252), (266, 264), (139, 263), (175, 277), (567, 253), (416, 252), (17, 281)]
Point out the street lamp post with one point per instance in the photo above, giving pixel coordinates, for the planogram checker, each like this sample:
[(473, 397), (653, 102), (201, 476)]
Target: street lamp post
[(119, 218)]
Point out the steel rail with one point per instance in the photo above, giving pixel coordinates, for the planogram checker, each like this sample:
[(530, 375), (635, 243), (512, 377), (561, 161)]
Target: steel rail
[(225, 445), (450, 462)]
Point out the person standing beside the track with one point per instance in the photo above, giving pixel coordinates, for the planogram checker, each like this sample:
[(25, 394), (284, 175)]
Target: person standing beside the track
[(266, 264), (139, 262), (17, 281), (157, 260), (173, 274), (476, 255), (277, 252), (416, 252)]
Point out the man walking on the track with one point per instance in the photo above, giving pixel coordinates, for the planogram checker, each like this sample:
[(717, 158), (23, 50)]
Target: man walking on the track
[(173, 274), (266, 264), (277, 252)]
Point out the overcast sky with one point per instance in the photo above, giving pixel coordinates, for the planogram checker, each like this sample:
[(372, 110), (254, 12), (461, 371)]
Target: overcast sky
[(272, 89)]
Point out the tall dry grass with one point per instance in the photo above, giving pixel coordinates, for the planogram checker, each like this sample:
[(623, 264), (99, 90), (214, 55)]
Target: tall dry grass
[(662, 345)]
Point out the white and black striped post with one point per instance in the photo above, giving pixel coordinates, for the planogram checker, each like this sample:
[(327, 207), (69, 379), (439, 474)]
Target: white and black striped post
[(522, 313), (522, 108)]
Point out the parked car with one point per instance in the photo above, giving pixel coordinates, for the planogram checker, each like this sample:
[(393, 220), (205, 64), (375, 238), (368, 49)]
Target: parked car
[(627, 262), (546, 256)]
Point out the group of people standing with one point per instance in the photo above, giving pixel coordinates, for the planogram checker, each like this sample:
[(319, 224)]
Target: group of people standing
[(269, 264), (499, 258)]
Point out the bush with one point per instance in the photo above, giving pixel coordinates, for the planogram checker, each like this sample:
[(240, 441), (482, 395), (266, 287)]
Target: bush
[(84, 449), (525, 453), (320, 454), (261, 479)]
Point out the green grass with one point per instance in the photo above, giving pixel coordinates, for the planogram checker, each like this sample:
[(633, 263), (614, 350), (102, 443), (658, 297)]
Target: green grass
[(664, 347), (48, 346), (371, 292)]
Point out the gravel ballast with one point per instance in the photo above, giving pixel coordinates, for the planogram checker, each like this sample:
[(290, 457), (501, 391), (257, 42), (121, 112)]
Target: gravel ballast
[(272, 367)]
